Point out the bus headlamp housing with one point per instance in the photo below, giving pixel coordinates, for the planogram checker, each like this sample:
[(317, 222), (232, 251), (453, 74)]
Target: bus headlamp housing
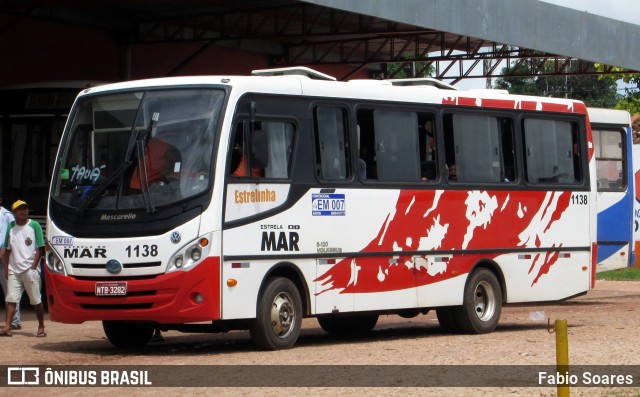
[(190, 254), (54, 263)]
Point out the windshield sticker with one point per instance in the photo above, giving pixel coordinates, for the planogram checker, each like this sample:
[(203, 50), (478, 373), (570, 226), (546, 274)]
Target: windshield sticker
[(328, 204), (86, 173)]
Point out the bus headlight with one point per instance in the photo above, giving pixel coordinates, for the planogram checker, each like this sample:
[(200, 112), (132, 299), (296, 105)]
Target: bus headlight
[(178, 262), (196, 254), (190, 254), (54, 263)]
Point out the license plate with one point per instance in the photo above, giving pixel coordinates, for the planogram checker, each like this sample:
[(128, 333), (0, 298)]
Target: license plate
[(111, 288)]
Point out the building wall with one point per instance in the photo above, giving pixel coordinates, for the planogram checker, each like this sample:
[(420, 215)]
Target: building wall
[(37, 50)]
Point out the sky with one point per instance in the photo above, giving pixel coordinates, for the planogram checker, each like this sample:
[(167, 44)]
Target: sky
[(623, 10)]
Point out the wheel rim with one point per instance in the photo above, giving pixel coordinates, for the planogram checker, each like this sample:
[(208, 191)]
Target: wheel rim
[(484, 301), (283, 315)]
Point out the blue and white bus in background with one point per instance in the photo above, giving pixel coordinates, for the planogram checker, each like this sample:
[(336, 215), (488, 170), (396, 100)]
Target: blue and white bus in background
[(612, 139)]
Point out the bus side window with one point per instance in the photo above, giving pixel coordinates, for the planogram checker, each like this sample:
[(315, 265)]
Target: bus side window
[(610, 159), (239, 156), (367, 163), (279, 139), (396, 145), (479, 148), (550, 151), (427, 138), (332, 148)]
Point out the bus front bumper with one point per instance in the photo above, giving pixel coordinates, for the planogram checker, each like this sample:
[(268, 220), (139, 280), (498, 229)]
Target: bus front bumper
[(172, 298)]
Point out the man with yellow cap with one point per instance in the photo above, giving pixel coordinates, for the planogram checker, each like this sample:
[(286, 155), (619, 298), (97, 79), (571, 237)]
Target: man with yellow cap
[(24, 246)]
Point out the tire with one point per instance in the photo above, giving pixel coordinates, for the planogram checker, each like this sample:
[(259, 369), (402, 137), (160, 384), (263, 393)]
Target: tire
[(127, 334), (482, 303), (279, 315), (351, 325), (447, 319)]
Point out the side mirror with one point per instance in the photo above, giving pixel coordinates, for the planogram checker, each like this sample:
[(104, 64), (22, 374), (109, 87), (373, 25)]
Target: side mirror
[(259, 149)]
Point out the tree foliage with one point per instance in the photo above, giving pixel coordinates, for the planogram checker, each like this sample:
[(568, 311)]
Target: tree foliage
[(594, 90), (631, 99), (408, 69)]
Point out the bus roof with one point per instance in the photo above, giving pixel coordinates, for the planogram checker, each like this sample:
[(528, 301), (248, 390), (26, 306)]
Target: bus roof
[(609, 116), (308, 84)]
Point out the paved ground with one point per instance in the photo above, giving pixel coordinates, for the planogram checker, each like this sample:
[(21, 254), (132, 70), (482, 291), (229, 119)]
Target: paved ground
[(604, 328)]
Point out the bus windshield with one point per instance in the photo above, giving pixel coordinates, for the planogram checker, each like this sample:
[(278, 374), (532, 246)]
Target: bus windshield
[(138, 150)]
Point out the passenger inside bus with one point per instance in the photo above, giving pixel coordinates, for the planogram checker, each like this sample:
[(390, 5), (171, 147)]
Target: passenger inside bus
[(239, 156), (453, 172), (162, 162)]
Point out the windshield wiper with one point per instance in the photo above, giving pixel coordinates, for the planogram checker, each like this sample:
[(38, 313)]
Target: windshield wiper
[(96, 190), (143, 175)]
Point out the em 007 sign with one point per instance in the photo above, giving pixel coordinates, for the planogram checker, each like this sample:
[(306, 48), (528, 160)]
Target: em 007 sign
[(328, 204)]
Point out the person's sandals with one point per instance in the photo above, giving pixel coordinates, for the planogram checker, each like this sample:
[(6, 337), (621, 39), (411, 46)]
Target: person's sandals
[(5, 333), (41, 333)]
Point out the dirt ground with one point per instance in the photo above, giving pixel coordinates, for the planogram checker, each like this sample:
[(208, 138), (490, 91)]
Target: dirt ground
[(603, 328)]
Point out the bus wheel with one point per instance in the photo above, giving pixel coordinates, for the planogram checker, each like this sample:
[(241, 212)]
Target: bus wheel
[(447, 319), (351, 325), (127, 334), (482, 303), (279, 315)]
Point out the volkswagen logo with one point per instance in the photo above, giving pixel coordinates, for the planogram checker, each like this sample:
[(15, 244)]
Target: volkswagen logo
[(176, 237), (114, 266)]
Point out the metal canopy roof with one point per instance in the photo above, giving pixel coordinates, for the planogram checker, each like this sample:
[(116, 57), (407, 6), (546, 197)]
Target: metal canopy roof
[(460, 38)]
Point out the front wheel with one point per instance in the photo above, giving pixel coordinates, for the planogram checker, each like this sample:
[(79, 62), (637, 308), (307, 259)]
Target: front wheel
[(279, 315), (482, 303), (127, 334)]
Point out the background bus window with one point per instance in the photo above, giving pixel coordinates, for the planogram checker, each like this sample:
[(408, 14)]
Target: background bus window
[(479, 148), (609, 159), (551, 151), (332, 154)]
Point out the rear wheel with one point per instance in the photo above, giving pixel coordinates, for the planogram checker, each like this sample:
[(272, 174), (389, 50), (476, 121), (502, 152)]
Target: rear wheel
[(482, 303), (127, 334), (279, 315), (351, 325)]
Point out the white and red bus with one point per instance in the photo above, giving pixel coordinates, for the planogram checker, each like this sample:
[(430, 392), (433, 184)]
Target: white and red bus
[(217, 203)]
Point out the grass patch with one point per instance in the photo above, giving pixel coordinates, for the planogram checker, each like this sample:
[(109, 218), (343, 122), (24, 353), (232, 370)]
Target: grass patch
[(626, 274)]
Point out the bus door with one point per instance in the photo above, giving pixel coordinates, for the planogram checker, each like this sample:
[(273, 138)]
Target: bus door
[(614, 197)]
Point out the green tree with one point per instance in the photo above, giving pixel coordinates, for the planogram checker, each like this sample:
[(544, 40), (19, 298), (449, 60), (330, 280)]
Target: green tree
[(631, 98), (408, 69), (594, 90)]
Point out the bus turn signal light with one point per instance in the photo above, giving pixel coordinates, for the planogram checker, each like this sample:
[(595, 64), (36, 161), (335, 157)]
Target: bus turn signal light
[(232, 282)]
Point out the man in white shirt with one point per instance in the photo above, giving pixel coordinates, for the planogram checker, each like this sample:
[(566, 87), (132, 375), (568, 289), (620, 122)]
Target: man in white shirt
[(24, 246), (6, 217)]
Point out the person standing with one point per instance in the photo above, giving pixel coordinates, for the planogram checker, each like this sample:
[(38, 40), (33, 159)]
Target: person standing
[(5, 219), (24, 246)]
